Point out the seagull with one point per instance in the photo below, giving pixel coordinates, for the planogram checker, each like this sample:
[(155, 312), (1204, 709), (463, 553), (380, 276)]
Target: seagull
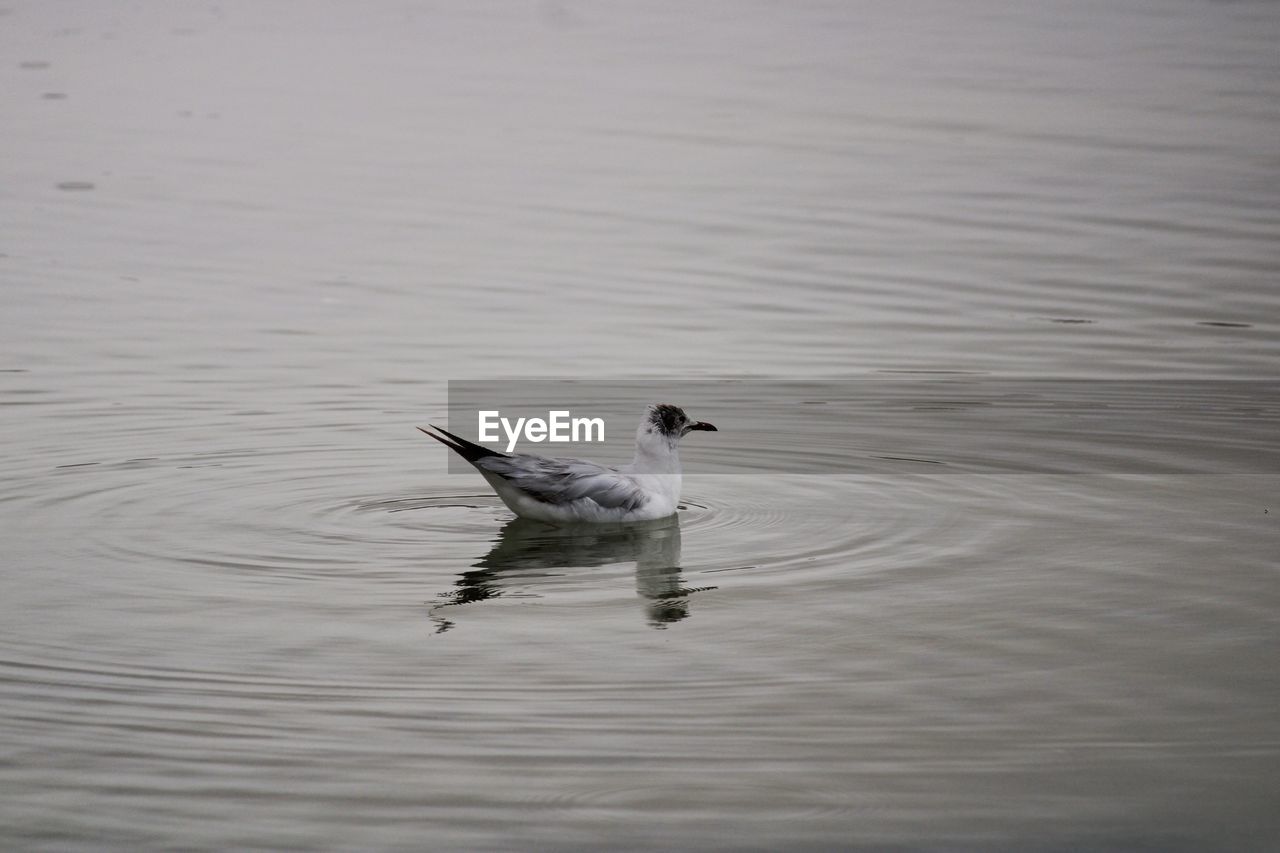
[(568, 490)]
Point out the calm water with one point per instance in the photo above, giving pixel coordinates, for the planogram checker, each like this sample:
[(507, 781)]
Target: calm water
[(244, 605)]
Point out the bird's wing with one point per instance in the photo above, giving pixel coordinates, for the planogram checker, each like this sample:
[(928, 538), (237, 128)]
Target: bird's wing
[(552, 481), (562, 481)]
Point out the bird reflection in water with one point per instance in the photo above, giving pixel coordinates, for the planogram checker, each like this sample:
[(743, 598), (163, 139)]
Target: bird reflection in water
[(527, 550)]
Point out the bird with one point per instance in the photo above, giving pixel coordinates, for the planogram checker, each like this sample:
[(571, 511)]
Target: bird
[(576, 490)]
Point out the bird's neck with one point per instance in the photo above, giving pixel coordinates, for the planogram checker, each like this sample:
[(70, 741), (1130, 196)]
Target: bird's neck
[(655, 455)]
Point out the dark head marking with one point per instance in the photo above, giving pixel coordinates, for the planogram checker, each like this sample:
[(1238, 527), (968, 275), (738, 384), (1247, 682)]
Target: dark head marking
[(668, 419)]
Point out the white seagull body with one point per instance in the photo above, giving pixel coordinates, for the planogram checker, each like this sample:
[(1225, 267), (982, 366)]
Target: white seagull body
[(563, 490)]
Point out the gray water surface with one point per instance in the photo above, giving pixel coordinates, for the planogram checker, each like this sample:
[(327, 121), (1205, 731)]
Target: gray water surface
[(244, 246)]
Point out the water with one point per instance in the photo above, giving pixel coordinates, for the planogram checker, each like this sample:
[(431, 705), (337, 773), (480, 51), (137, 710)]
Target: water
[(243, 246)]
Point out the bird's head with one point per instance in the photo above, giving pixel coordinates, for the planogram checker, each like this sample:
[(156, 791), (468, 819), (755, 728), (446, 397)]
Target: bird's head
[(669, 422)]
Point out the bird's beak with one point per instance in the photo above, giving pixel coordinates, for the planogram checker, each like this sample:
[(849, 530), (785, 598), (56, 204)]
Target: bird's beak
[(703, 425)]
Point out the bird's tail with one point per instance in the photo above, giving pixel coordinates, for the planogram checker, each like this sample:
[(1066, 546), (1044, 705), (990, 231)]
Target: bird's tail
[(468, 450)]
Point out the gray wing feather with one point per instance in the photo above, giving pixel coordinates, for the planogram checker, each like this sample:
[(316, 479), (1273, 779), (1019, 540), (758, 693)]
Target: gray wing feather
[(559, 481)]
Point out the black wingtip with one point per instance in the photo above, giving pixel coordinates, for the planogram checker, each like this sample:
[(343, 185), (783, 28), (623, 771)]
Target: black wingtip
[(445, 442), (468, 450)]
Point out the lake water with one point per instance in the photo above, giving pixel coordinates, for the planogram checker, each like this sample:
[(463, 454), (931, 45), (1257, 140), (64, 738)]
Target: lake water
[(244, 246)]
